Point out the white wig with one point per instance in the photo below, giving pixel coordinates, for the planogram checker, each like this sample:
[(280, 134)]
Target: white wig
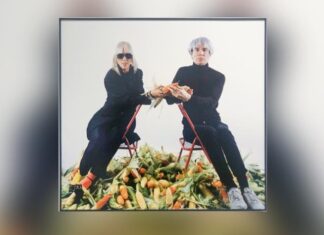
[(119, 49), (201, 40)]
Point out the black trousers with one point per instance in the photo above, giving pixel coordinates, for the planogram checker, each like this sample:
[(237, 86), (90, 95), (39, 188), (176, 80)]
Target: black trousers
[(102, 146), (223, 151)]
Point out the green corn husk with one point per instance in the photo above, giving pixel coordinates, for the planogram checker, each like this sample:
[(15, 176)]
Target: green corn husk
[(193, 187)]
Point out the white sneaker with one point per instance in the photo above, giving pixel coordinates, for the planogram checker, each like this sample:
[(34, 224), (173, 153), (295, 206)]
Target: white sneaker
[(236, 200), (252, 200)]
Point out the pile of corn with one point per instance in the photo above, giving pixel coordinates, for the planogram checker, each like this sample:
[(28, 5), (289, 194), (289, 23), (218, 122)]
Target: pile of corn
[(154, 180)]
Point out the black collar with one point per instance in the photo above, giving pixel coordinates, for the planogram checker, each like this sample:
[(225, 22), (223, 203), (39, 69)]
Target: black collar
[(200, 66)]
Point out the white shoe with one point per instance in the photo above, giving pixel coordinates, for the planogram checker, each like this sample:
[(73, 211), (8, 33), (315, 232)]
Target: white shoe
[(252, 200), (236, 200)]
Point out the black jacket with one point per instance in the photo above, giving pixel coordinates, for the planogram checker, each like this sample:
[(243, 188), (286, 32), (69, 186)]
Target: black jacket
[(207, 85), (124, 93)]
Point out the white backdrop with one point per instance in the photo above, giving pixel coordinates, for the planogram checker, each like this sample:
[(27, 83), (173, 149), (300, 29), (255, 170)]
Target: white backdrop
[(160, 48)]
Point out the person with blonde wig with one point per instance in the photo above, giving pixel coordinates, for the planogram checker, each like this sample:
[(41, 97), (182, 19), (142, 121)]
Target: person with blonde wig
[(124, 86)]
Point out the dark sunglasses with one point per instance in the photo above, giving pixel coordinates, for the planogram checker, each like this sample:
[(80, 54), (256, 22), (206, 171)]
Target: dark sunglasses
[(122, 55)]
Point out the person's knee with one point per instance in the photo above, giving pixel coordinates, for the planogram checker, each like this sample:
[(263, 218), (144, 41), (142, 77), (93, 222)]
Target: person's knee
[(95, 134), (206, 131), (223, 131)]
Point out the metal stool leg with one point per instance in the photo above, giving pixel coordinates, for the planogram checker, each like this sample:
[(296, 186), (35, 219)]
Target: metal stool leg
[(128, 146), (190, 154), (185, 114), (180, 154)]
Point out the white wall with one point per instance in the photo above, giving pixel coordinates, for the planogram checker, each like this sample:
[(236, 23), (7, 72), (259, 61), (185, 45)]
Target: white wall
[(160, 48)]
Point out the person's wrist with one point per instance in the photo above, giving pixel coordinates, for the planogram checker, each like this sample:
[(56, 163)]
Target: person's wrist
[(187, 97), (150, 94)]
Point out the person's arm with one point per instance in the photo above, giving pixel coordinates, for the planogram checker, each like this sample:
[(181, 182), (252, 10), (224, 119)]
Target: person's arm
[(172, 99), (140, 97), (120, 95), (209, 101)]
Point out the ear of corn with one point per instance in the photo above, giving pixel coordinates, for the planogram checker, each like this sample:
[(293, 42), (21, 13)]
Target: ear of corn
[(160, 184), (192, 204), (152, 183), (157, 194), (73, 207), (164, 183), (125, 174), (113, 204), (140, 200), (70, 200), (132, 196), (123, 192), (177, 205), (76, 178), (128, 204), (120, 200), (102, 202), (113, 188), (152, 205), (135, 174), (168, 197), (143, 182)]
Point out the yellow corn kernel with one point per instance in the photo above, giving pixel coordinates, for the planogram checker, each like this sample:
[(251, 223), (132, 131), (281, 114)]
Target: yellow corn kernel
[(164, 183), (156, 194), (168, 197), (140, 200)]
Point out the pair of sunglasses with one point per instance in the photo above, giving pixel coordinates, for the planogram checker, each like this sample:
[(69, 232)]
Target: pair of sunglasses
[(122, 55)]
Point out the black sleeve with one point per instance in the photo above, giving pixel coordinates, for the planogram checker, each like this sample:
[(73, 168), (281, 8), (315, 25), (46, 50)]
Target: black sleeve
[(177, 78), (120, 95), (139, 97), (209, 101)]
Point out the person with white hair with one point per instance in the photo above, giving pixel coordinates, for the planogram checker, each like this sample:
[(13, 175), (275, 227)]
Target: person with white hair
[(207, 86), (124, 86)]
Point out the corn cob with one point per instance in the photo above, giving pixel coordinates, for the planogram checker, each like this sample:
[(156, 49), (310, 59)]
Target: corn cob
[(192, 205), (114, 204), (140, 200), (135, 174), (168, 197), (120, 200), (123, 192), (70, 200), (143, 182), (102, 202), (177, 205), (153, 205), (164, 183), (132, 196), (76, 178), (73, 207), (156, 194), (125, 174), (128, 204)]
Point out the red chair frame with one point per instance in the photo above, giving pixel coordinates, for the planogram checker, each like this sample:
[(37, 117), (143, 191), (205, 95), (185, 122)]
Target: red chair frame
[(193, 144), (132, 148)]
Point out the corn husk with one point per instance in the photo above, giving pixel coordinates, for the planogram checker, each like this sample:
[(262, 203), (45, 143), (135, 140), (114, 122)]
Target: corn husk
[(162, 185)]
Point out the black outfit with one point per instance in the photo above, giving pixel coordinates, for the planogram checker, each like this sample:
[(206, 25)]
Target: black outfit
[(106, 127), (207, 85)]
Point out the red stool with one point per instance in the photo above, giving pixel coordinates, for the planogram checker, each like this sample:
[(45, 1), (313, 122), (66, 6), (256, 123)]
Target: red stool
[(196, 143), (187, 146), (132, 147)]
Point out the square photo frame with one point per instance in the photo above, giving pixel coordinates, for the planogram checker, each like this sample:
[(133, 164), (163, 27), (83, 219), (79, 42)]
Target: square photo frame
[(149, 174)]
